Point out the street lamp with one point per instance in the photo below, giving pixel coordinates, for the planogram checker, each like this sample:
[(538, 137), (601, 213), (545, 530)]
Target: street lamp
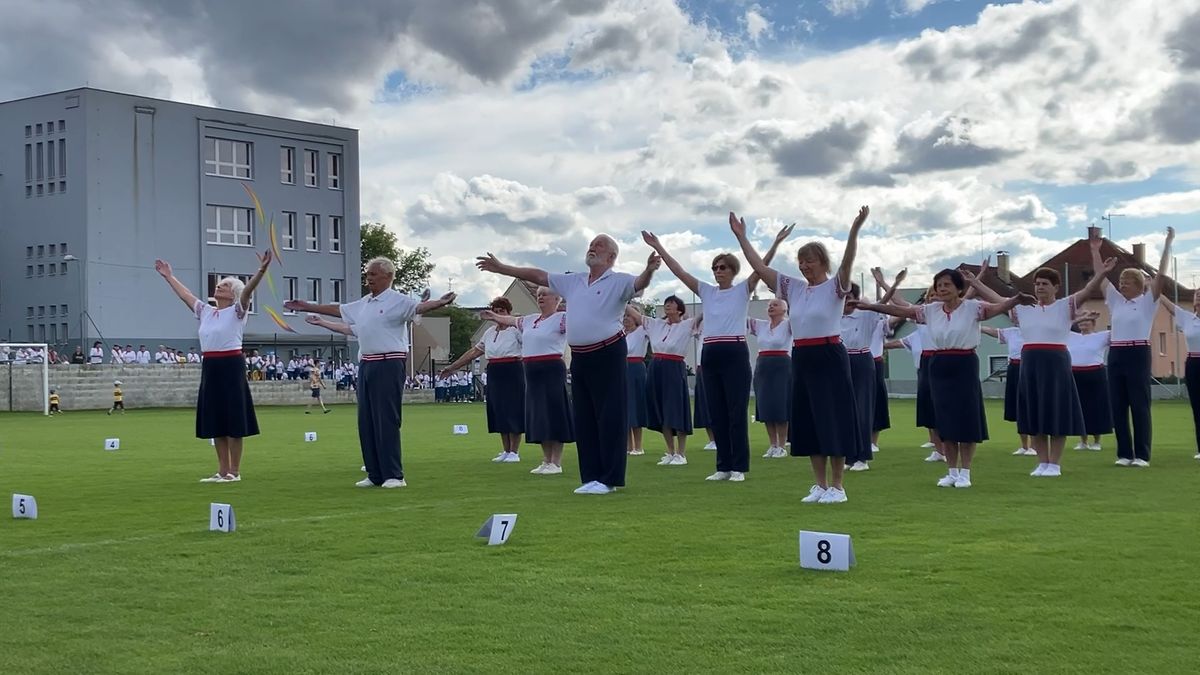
[(82, 328)]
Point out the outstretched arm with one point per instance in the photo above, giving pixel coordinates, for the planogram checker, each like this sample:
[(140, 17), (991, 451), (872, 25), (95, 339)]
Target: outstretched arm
[(761, 268), (1156, 287), (906, 312), (468, 356), (430, 305), (643, 279), (783, 234), (991, 309), (335, 326), (890, 292), (851, 248), (683, 275), (264, 261), (1098, 279), (164, 269), (990, 330), (499, 319), (981, 288), (1170, 306), (313, 308), (534, 275)]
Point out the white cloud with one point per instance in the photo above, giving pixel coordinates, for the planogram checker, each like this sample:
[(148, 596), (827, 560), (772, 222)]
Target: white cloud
[(1076, 213), (846, 7), (1160, 204), (757, 25)]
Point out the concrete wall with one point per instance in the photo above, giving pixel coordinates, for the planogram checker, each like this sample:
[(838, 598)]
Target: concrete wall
[(90, 388)]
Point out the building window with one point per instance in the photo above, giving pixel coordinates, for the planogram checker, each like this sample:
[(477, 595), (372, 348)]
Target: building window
[(28, 271), (62, 126), (53, 268), (41, 311), (29, 312), (41, 189), (335, 234), (41, 327), (1162, 344), (53, 334), (41, 270), (310, 168), (39, 130), (53, 250), (312, 232), (28, 190), (62, 332), (230, 225), (215, 278), (287, 165), (41, 250), (50, 160), (62, 186), (62, 311), (293, 289), (50, 187), (62, 269), (28, 130), (50, 127), (223, 157), (314, 290), (62, 248), (28, 252), (335, 171), (289, 231), (28, 162), (29, 328), (62, 162), (335, 291), (53, 310), (41, 161)]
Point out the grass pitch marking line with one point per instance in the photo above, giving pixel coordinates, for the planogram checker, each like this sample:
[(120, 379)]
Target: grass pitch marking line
[(262, 524)]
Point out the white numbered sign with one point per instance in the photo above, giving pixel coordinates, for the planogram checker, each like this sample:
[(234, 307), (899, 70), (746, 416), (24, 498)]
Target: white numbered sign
[(220, 518), (460, 429), (112, 444), (498, 528), (310, 437), (826, 551), (24, 506)]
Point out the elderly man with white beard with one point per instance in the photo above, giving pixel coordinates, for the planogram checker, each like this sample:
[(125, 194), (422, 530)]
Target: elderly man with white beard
[(595, 306)]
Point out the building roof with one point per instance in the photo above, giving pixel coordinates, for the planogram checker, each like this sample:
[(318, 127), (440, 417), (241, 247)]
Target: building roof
[(992, 280), (1074, 263)]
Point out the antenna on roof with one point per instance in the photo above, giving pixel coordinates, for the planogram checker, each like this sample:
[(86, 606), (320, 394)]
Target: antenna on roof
[(1109, 218)]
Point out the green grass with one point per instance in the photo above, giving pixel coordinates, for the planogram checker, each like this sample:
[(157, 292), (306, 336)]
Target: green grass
[(1094, 572)]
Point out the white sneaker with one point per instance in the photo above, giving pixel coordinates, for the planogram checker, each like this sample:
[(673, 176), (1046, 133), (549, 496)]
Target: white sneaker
[(935, 456), (666, 459), (594, 488), (1094, 446), (1019, 452), (1081, 446), (781, 452), (833, 496), (585, 488), (500, 457), (679, 460), (540, 468), (552, 470), (720, 475), (814, 494), (237, 478), (1123, 462), (215, 478), (1052, 471), (511, 458), (711, 445), (394, 483), (1030, 452), (874, 448), (1040, 470), (736, 476), (927, 444), (947, 481), (1197, 456), (860, 466), (363, 468), (1140, 463), (962, 481), (637, 452), (366, 482), (769, 453)]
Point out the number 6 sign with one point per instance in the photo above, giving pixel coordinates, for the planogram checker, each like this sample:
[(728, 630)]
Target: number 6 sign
[(220, 518), (826, 551)]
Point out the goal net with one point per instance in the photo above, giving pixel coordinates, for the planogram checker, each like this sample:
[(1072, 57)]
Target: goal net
[(25, 373)]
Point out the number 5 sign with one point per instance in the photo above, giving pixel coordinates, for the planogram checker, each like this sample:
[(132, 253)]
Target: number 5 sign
[(24, 506), (826, 551), (498, 528)]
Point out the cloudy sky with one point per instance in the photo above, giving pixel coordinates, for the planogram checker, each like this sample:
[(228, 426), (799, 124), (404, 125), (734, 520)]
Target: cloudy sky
[(523, 127)]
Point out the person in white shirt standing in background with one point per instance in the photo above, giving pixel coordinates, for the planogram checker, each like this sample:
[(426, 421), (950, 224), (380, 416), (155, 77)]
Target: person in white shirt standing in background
[(1188, 323), (1088, 349)]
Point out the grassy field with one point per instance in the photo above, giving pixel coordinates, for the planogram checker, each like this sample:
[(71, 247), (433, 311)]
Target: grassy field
[(1094, 572)]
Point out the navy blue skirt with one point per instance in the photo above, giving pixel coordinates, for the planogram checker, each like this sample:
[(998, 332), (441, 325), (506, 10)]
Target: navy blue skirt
[(223, 405), (1012, 382), (862, 374), (699, 404), (635, 392), (824, 414), (925, 414), (667, 397), (1092, 385), (505, 397), (957, 396), (548, 414), (773, 389), (1047, 402), (883, 416)]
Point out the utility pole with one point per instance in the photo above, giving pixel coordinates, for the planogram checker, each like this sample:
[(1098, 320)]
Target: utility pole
[(1109, 218)]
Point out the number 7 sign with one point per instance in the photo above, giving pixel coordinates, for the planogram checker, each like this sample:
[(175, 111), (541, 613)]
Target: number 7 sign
[(498, 528)]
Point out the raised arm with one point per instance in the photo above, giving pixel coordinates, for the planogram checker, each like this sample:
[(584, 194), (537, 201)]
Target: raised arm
[(1170, 306), (335, 326), (313, 308), (783, 234), (502, 320), (991, 309), (468, 356), (634, 315), (851, 248), (683, 275), (534, 275), (906, 312), (761, 268), (1094, 243), (264, 261), (164, 269), (1096, 282), (1156, 286), (430, 305), (982, 289), (891, 292), (643, 280)]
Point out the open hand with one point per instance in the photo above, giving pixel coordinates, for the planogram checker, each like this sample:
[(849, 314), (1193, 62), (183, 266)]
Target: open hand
[(1110, 265), (295, 305), (654, 262), (162, 267), (1026, 299), (313, 319), (863, 212), (487, 315), (425, 295), (738, 225), (448, 298), (651, 240), (489, 263), (784, 233), (264, 260), (1170, 235)]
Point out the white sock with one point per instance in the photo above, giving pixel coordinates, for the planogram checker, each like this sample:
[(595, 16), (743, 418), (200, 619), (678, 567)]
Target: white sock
[(964, 473), (953, 472)]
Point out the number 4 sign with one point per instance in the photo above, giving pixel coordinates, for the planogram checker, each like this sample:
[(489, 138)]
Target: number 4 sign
[(220, 518), (498, 528), (24, 506), (112, 444), (826, 551)]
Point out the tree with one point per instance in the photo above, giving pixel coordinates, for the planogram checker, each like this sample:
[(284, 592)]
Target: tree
[(463, 324), (412, 267)]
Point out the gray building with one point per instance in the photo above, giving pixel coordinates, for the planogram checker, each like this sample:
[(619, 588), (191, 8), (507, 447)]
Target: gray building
[(95, 185)]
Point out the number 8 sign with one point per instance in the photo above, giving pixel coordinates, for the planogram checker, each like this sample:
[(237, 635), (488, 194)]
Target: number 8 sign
[(826, 551)]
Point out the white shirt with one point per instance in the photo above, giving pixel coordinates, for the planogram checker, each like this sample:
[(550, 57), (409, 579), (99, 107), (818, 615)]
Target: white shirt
[(1046, 324), (500, 343), (96, 355), (958, 329), (1012, 338), (1189, 324), (636, 342), (220, 329), (669, 338), (118, 356), (594, 310), (381, 321), (777, 339), (724, 309), (879, 336), (917, 342), (193, 357), (1088, 350), (143, 356), (544, 337), (856, 330), (1131, 319), (814, 311)]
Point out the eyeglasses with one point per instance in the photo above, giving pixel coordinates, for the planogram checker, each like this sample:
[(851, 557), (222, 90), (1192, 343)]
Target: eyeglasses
[(718, 268)]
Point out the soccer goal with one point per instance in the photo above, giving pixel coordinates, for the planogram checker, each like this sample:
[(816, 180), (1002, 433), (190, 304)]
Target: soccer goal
[(28, 370)]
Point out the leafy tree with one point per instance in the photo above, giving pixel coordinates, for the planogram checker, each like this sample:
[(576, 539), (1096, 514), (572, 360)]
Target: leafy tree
[(463, 323), (412, 267)]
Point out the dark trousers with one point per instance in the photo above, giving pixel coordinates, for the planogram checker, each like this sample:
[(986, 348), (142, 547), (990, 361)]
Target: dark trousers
[(1129, 393), (380, 393), (598, 397), (862, 375), (1192, 375), (726, 373)]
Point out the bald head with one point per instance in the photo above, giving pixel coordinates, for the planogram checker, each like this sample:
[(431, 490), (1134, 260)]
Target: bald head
[(602, 252)]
